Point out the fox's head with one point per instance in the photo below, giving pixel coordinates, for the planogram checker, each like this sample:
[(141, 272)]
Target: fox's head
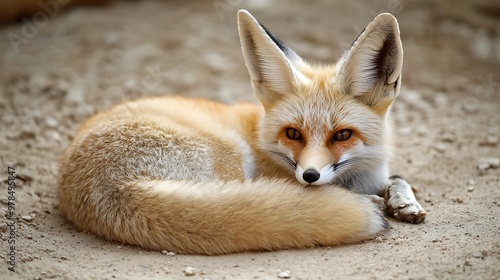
[(327, 124)]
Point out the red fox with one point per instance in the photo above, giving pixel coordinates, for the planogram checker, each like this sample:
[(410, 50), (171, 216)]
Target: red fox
[(307, 168)]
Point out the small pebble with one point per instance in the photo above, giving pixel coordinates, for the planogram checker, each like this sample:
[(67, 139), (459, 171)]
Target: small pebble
[(457, 200), (492, 140), (440, 147), (189, 271), (27, 218), (75, 95), (51, 122), (285, 274), (494, 162), (378, 239), (448, 137), (26, 259), (26, 177), (477, 254), (471, 182), (3, 227), (171, 253), (467, 263), (470, 189), (422, 130), (487, 163), (483, 166)]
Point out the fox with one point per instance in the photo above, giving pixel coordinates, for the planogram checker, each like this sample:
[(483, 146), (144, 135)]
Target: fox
[(307, 167)]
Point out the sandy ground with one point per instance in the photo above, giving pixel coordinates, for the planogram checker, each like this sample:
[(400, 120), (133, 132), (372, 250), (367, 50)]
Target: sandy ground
[(57, 70)]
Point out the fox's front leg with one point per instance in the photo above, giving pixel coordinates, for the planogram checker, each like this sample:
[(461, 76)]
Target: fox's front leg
[(400, 202)]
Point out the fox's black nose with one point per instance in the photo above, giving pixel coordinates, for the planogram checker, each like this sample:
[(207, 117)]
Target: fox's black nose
[(310, 176)]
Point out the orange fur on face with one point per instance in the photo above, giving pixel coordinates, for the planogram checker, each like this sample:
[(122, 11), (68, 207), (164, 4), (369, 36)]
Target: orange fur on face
[(338, 148)]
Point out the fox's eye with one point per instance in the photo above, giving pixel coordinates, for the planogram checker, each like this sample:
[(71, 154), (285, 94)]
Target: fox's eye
[(294, 134), (342, 135)]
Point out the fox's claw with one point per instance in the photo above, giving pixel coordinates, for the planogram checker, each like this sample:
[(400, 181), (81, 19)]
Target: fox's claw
[(400, 202)]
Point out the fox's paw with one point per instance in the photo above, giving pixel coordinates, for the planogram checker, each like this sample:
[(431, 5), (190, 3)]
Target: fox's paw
[(400, 202)]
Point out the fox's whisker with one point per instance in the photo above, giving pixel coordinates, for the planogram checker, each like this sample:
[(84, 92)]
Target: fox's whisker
[(287, 159)]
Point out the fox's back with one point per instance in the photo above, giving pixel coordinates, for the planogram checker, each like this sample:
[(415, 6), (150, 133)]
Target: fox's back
[(158, 138)]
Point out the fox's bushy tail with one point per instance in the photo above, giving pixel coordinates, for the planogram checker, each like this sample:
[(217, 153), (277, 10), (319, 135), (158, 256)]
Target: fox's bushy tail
[(222, 217)]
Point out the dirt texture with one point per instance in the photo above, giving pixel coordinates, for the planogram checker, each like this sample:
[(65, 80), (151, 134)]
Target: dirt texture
[(57, 70)]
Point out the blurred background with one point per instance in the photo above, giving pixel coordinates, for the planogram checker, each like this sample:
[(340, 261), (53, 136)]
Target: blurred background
[(108, 50)]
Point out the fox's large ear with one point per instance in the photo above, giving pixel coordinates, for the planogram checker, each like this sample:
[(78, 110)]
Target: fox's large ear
[(272, 65), (371, 69)]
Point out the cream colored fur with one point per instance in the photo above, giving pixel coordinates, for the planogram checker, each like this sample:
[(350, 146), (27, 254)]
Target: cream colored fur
[(199, 177)]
